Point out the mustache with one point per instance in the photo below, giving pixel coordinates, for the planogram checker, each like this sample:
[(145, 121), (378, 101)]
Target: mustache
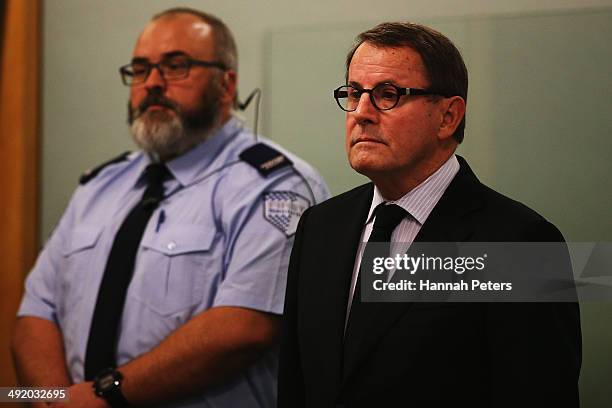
[(154, 98)]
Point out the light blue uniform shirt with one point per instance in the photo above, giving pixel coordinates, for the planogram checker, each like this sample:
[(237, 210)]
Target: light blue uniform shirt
[(221, 237)]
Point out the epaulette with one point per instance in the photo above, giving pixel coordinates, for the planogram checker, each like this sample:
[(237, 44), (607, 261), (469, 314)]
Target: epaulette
[(92, 173), (265, 159)]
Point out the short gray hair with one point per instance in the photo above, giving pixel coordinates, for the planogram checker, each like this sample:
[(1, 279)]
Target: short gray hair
[(225, 45)]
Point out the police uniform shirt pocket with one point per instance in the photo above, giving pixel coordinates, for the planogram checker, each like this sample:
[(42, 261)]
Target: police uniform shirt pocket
[(174, 267), (77, 256)]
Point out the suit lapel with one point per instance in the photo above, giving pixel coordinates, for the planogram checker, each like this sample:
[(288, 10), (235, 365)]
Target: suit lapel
[(446, 223), (325, 288)]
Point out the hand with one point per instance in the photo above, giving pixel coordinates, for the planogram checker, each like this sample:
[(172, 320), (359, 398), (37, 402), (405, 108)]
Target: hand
[(81, 395)]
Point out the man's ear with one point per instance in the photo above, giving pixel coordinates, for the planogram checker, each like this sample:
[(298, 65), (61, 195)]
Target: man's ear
[(453, 110), (229, 80)]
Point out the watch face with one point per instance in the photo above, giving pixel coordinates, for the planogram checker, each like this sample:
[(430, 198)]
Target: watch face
[(108, 386), (106, 382)]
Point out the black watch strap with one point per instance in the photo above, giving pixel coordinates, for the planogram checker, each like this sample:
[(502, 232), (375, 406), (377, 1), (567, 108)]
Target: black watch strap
[(107, 385)]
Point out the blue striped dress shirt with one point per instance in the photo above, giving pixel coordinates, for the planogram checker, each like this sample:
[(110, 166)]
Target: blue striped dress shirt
[(418, 202)]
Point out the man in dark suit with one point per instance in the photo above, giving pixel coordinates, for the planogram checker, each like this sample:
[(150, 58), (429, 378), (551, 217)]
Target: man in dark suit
[(405, 100)]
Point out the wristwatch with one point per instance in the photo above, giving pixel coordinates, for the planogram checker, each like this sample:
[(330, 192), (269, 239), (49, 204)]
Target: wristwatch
[(107, 385)]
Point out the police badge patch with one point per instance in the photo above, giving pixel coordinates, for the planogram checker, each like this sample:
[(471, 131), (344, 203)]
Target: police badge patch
[(283, 209)]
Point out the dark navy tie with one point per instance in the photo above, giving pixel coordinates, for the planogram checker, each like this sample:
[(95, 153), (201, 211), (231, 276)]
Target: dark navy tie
[(103, 334), (387, 218)]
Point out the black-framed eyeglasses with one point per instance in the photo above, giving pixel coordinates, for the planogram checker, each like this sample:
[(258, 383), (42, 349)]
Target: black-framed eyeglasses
[(176, 67), (383, 96)]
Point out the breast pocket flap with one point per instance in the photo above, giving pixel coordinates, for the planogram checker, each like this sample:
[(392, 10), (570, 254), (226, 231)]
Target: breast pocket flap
[(180, 239), (82, 237)]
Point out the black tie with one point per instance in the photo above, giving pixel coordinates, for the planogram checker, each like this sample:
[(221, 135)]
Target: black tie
[(387, 218), (103, 335)]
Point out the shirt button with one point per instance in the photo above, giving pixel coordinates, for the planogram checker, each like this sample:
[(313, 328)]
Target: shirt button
[(171, 245)]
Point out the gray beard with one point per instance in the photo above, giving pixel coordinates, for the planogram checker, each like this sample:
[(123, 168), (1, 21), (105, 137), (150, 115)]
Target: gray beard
[(164, 134), (171, 134)]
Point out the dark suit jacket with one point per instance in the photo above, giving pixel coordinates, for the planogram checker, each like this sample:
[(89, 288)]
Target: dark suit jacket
[(422, 354)]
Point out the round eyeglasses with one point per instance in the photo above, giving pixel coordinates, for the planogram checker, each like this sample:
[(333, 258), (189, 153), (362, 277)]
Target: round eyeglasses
[(176, 67), (383, 96)]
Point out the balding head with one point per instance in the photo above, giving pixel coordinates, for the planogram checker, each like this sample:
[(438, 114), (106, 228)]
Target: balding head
[(224, 43)]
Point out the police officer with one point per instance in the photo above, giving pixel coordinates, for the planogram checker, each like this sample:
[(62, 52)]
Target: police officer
[(164, 280)]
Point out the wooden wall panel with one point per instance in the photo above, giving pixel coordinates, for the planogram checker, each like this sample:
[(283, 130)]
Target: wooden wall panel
[(19, 157)]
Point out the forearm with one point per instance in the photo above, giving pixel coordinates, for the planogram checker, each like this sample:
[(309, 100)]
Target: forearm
[(38, 352), (209, 350)]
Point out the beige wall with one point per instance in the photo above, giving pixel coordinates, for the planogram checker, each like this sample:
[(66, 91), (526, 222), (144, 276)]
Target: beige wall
[(86, 41)]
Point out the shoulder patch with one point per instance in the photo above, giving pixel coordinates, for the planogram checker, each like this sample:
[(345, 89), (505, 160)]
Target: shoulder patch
[(283, 209), (92, 173), (265, 159)]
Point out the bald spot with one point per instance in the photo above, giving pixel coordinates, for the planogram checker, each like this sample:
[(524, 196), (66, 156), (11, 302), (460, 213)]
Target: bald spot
[(177, 33)]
